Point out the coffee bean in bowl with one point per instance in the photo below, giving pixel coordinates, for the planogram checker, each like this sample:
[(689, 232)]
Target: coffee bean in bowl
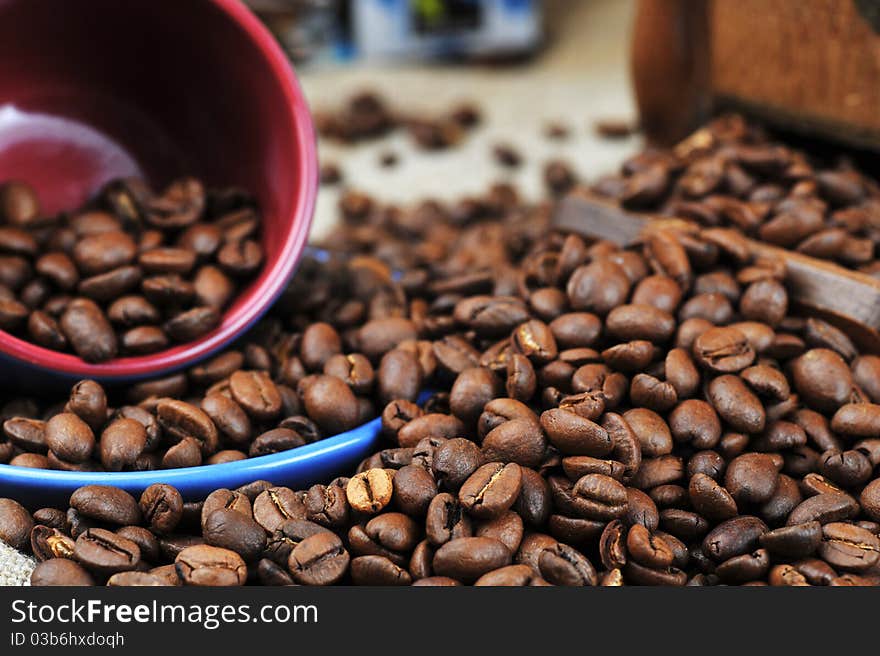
[(132, 273)]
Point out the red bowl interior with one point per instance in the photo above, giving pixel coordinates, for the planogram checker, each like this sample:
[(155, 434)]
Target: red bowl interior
[(96, 89)]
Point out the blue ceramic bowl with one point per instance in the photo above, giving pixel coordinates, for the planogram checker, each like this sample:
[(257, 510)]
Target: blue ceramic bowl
[(319, 461)]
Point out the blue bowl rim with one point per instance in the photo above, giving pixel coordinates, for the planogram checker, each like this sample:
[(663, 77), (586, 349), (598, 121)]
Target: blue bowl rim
[(252, 467)]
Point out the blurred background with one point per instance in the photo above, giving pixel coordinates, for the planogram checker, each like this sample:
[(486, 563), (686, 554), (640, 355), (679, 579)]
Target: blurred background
[(539, 74)]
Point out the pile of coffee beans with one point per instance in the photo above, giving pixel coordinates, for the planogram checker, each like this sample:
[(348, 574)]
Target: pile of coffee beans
[(279, 390), (730, 173), (367, 115), (650, 416), (130, 273)]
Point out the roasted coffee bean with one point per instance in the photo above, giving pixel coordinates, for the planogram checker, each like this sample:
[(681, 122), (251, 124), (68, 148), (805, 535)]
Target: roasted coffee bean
[(506, 528), (329, 402), (563, 565), (319, 559), (357, 372), (88, 331), (870, 500), (228, 417), (723, 350), (370, 491), (822, 379), (849, 547), (733, 537), (793, 541), (661, 470), (710, 499), (234, 531), (598, 287), (106, 553), (446, 520), (599, 497), (69, 437), (429, 425), (26, 433), (519, 440), (824, 508), (49, 543), (181, 420), (61, 572), (162, 508), (186, 453), (106, 504), (575, 435), (454, 461), (327, 505), (121, 443), (204, 565), (466, 559), (414, 488), (378, 570), (15, 524), (736, 404), (473, 388), (856, 420), (491, 489), (274, 506)]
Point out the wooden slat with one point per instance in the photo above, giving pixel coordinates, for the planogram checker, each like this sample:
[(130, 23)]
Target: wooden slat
[(848, 299)]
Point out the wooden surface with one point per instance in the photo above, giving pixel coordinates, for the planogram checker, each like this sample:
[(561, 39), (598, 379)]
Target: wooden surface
[(848, 299), (813, 65)]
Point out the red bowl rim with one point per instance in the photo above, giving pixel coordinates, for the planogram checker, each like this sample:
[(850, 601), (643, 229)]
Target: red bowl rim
[(257, 300)]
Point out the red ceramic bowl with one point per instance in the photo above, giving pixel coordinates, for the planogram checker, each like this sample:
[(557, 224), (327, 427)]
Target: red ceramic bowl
[(91, 90)]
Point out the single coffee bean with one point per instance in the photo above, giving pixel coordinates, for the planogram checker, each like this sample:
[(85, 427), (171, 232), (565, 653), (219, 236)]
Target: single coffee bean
[(60, 572), (824, 508), (751, 478), (822, 379), (69, 437), (255, 392), (192, 324), (723, 350), (733, 537), (849, 547), (274, 506), (88, 331), (736, 404), (162, 508), (49, 543), (180, 420), (466, 559), (856, 420), (121, 443), (106, 553), (319, 559), (330, 403), (575, 435), (370, 491), (710, 499), (599, 497), (327, 505), (519, 440), (15, 524), (793, 541), (491, 490), (870, 500), (107, 504), (446, 520), (235, 531), (204, 565), (564, 565)]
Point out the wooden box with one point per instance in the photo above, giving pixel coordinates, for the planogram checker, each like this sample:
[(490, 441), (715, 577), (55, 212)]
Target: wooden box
[(808, 65)]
